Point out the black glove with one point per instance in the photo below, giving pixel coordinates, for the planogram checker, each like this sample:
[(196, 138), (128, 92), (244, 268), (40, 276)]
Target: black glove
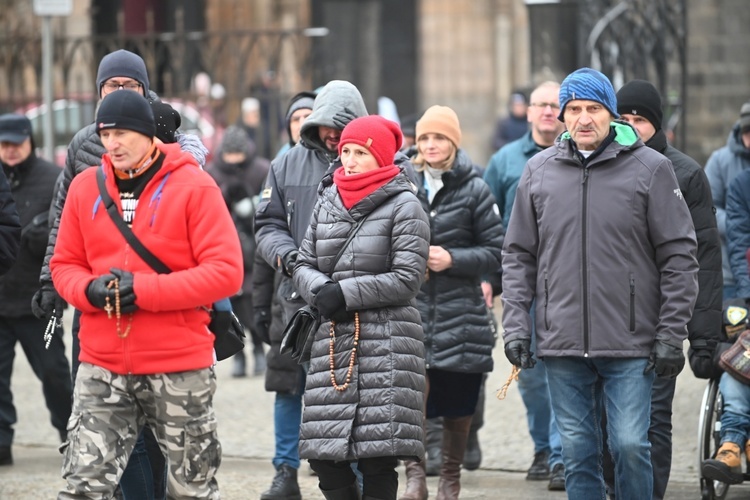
[(331, 303), (127, 292), (342, 118), (97, 291), (46, 302), (288, 261), (262, 324), (519, 353), (702, 362), (666, 360)]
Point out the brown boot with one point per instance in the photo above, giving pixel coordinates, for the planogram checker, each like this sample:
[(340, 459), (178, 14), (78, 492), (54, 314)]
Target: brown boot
[(416, 481), (726, 466), (455, 436)]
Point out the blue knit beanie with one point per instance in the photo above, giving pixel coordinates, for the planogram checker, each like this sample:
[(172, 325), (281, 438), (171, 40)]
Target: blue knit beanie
[(589, 85)]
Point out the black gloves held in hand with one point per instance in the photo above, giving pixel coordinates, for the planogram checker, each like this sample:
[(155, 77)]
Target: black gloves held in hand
[(127, 292), (331, 303), (46, 301), (262, 324), (342, 118), (288, 262), (666, 360), (97, 291), (519, 353)]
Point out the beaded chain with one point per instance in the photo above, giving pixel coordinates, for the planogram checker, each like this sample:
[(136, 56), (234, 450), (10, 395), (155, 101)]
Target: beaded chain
[(352, 357), (118, 314)]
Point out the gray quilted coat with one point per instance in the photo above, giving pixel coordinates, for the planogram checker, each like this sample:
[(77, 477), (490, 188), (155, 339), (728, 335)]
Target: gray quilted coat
[(380, 273)]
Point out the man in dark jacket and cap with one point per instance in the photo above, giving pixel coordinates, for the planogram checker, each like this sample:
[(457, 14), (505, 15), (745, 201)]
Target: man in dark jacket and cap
[(281, 220), (32, 182), (640, 104)]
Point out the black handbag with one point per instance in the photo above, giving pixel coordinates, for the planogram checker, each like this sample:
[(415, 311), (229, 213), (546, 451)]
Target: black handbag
[(229, 334), (298, 335)]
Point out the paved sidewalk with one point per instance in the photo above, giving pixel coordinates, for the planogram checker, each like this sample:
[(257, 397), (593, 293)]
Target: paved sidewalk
[(245, 413)]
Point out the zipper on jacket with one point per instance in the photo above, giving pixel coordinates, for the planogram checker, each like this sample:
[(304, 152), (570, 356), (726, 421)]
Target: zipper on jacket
[(584, 265), (289, 213), (546, 301), (632, 304)]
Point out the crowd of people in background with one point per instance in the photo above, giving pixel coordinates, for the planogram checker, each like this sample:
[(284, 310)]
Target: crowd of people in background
[(607, 246)]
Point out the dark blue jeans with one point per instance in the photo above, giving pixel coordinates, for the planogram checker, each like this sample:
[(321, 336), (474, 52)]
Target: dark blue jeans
[(49, 365), (659, 435)]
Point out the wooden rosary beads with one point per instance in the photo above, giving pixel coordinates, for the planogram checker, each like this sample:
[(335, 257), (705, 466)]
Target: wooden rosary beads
[(352, 357), (118, 314)]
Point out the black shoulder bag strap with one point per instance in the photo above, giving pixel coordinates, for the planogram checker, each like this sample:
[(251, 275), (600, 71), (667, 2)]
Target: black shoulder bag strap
[(348, 240), (145, 254)]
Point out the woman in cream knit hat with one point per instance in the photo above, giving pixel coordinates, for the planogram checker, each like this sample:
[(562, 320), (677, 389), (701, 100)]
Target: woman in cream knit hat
[(466, 236)]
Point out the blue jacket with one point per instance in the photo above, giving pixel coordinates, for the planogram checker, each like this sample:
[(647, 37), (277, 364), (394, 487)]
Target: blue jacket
[(723, 166), (738, 231), (504, 170)]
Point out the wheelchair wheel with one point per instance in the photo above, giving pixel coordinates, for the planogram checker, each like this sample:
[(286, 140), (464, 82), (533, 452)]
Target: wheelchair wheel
[(709, 427)]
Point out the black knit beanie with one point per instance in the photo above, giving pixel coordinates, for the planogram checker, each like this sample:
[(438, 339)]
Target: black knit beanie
[(167, 121), (639, 97), (122, 63), (126, 110)]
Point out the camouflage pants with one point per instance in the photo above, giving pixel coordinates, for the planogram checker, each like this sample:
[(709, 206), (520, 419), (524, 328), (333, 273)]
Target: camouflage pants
[(109, 411)]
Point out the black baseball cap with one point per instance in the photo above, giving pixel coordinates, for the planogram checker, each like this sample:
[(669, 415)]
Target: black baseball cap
[(14, 128)]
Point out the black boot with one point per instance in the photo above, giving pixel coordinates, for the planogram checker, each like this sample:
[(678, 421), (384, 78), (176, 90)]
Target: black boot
[(259, 360), (433, 445), (473, 455), (351, 492), (238, 365), (284, 485), (6, 456)]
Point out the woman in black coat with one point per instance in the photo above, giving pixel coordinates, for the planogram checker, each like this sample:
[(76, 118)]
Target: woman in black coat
[(466, 238), (365, 385)]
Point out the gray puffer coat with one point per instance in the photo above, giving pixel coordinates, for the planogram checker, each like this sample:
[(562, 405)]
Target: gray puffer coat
[(380, 271)]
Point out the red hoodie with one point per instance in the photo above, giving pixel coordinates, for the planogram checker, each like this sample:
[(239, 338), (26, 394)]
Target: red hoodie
[(182, 218)]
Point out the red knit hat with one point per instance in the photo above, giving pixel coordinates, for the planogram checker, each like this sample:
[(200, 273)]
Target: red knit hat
[(380, 136)]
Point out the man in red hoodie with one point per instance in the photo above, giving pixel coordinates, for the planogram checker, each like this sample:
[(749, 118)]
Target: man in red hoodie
[(146, 350)]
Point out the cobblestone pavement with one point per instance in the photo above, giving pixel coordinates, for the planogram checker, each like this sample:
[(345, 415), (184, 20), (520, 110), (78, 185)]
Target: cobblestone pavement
[(245, 417)]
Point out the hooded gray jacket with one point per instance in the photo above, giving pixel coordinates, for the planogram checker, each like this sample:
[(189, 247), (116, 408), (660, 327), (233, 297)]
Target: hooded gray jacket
[(607, 248), (380, 271)]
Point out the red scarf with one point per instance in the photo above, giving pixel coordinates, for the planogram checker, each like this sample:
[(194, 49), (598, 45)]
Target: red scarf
[(352, 188)]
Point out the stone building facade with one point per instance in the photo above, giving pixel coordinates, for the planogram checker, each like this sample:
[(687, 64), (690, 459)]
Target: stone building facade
[(467, 54)]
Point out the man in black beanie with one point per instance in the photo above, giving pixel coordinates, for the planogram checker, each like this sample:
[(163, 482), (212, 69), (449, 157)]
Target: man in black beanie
[(120, 70), (639, 103), (147, 356)]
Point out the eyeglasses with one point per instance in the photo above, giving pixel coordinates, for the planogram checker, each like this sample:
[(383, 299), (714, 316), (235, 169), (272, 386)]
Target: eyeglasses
[(543, 105), (112, 86)]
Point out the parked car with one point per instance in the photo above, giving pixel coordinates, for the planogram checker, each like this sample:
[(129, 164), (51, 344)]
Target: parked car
[(71, 115)]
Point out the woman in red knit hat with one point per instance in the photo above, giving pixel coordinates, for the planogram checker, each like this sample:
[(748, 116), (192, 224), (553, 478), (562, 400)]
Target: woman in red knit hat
[(365, 385)]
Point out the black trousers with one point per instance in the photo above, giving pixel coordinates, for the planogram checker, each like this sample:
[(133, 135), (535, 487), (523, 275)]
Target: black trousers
[(659, 435), (49, 365), (380, 479)]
